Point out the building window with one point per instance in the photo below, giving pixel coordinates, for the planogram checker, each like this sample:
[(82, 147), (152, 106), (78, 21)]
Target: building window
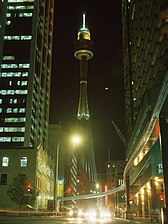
[(23, 161), (17, 139), (5, 139), (5, 161), (3, 179), (120, 182)]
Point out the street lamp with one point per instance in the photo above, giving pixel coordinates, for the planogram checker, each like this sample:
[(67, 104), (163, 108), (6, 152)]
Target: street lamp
[(75, 140), (56, 176), (97, 186)]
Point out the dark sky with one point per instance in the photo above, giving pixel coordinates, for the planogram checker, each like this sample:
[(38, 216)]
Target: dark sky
[(104, 70)]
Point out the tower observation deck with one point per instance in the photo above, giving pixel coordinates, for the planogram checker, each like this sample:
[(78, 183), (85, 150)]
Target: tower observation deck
[(83, 51)]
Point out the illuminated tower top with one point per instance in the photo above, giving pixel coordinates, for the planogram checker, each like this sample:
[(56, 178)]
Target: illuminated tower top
[(83, 50), (83, 33), (83, 45)]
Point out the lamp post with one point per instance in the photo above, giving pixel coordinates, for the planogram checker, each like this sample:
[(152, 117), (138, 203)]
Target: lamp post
[(56, 176), (75, 140)]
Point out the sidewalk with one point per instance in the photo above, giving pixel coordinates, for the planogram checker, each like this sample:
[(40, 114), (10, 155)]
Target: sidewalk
[(144, 220), (140, 220)]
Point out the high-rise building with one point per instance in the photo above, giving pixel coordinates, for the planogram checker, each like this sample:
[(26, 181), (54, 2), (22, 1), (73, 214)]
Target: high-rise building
[(145, 50), (83, 51), (1, 11), (25, 72), (26, 32)]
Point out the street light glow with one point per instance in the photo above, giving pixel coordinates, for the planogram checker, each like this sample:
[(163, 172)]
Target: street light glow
[(97, 186), (76, 139)]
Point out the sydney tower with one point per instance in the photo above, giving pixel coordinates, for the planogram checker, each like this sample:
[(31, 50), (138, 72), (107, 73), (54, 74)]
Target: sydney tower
[(83, 51)]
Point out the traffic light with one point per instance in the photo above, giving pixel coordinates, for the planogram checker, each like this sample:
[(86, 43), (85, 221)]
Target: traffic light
[(29, 187), (69, 190), (161, 197)]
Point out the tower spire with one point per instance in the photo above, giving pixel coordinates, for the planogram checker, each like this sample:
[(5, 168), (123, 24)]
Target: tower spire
[(84, 22)]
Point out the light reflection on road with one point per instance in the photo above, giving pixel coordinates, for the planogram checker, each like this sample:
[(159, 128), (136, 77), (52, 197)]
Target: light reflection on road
[(49, 220)]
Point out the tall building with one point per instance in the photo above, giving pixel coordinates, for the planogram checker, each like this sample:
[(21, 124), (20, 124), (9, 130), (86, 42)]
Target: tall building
[(1, 12), (25, 72), (83, 51), (26, 32), (145, 48)]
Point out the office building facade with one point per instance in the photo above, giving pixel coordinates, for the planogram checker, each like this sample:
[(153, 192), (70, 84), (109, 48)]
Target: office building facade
[(145, 47), (26, 32), (25, 57)]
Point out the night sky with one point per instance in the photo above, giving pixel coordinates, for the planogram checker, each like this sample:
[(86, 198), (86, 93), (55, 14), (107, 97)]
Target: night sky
[(104, 70)]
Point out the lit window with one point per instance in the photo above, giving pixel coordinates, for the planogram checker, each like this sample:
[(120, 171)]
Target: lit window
[(24, 83), (9, 110), (17, 139), (26, 37), (25, 74), (5, 139), (8, 57), (11, 74), (15, 110), (9, 66), (25, 14), (8, 22), (23, 161), (14, 129), (13, 101), (8, 14), (21, 110), (21, 91), (30, 7), (10, 83), (24, 65), (15, 119), (120, 182), (5, 161)]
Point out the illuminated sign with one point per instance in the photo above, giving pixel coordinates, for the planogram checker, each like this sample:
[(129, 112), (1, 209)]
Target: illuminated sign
[(160, 168)]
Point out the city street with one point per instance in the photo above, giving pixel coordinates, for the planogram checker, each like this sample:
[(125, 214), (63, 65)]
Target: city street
[(52, 220)]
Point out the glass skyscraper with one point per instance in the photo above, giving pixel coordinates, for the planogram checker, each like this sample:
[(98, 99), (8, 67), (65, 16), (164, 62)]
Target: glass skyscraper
[(26, 29)]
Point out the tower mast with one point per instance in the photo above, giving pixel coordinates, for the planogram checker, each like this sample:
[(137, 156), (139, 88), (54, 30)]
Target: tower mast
[(83, 51)]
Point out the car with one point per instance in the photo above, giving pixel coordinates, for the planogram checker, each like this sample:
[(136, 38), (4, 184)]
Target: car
[(73, 213)]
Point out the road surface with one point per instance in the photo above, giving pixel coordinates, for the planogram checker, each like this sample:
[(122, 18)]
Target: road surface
[(55, 220)]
